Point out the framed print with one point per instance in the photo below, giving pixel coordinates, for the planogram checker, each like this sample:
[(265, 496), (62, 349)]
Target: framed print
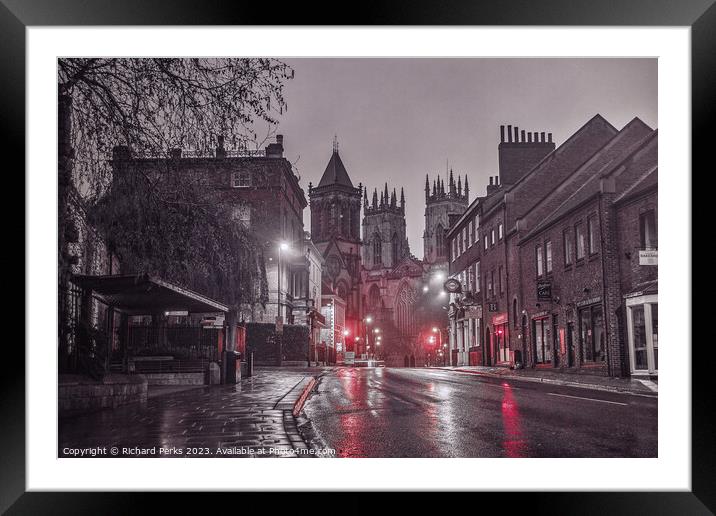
[(418, 251)]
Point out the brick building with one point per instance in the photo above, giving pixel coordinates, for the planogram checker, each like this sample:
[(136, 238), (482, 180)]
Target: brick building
[(557, 271), (262, 194)]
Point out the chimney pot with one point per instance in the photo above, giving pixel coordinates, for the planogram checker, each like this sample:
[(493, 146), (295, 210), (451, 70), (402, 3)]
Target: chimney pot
[(542, 137), (491, 178), (279, 139), (529, 137), (549, 137), (502, 133), (517, 134), (522, 136), (509, 134)]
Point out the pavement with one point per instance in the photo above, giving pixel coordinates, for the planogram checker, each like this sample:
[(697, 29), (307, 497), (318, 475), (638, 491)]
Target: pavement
[(584, 381), (431, 412), (251, 419)]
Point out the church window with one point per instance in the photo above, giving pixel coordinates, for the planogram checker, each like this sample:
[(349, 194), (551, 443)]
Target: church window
[(377, 250), (404, 310), (374, 297), (394, 248), (440, 240)]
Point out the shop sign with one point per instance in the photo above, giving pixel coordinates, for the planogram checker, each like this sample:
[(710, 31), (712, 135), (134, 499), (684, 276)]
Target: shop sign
[(648, 257), (473, 312), (453, 286), (544, 290), (499, 319), (590, 301), (492, 307)]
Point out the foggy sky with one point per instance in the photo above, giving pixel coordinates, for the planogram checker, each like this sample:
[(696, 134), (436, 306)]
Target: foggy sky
[(399, 119)]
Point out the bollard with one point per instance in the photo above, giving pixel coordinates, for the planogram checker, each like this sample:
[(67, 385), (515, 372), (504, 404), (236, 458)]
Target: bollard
[(250, 364)]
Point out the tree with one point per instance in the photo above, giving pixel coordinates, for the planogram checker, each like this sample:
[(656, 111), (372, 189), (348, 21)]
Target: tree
[(154, 105), (157, 225)]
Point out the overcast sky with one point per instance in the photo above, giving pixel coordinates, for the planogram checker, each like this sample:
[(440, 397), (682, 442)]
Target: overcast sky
[(398, 119)]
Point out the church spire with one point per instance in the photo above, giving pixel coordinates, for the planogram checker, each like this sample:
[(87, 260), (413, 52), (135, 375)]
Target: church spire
[(427, 187), (402, 199), (451, 184), (375, 198), (467, 189), (335, 144), (393, 199), (459, 186)]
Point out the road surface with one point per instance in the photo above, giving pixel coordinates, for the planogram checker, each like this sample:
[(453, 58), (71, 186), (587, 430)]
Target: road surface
[(420, 412)]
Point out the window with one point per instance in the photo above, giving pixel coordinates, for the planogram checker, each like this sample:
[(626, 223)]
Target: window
[(242, 215), (539, 260), (592, 337), (568, 247), (469, 234), (471, 279), (464, 238), (548, 255), (486, 242), (647, 229), (477, 277), (454, 249), (591, 234), (377, 250), (394, 249), (500, 279), (241, 179), (440, 240), (492, 236), (499, 231), (542, 341), (581, 243), (491, 284)]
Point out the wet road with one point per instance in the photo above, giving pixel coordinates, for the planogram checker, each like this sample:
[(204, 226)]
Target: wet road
[(386, 412)]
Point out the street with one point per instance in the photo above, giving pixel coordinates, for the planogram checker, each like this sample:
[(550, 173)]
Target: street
[(388, 412)]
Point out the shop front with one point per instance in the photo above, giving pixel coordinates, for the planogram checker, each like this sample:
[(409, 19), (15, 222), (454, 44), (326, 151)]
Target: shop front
[(499, 347), (642, 321)]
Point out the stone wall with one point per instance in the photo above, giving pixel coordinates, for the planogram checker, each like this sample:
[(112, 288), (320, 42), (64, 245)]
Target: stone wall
[(79, 394)]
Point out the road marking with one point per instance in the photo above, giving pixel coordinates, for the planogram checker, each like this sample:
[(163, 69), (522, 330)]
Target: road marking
[(588, 399)]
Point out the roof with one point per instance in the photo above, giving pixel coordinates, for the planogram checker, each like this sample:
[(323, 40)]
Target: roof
[(335, 173), (143, 294), (592, 186), (644, 289), (557, 166), (648, 181)]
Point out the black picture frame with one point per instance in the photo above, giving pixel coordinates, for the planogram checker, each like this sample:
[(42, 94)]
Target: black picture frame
[(17, 15)]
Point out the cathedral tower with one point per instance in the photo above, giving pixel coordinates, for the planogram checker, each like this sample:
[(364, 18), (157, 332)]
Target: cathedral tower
[(386, 243), (335, 230), (444, 204)]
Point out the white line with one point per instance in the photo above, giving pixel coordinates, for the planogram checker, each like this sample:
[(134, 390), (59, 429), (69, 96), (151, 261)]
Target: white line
[(588, 399)]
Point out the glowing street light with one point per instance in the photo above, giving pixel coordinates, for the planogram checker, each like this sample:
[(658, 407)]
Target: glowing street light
[(369, 319), (346, 333), (283, 246), (435, 329), (425, 288)]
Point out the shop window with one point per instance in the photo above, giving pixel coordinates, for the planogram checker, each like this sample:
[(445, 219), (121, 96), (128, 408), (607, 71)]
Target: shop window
[(542, 341), (592, 336)]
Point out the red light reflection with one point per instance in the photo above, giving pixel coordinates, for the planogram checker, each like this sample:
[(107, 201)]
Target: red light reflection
[(514, 444)]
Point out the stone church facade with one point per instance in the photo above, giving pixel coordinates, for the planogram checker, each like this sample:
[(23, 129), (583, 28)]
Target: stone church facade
[(391, 296)]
